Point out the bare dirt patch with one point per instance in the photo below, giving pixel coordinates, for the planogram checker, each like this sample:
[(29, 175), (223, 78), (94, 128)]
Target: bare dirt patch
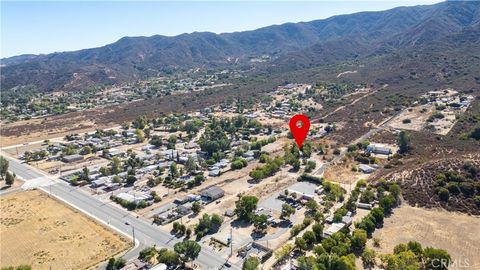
[(413, 118), (457, 233), (342, 173), (37, 230), (43, 129)]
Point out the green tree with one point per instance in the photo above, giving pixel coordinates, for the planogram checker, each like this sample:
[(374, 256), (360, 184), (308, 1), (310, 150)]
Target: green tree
[(378, 214), (196, 208), (260, 222), (140, 122), (215, 222), (284, 251), (477, 201), (368, 258), (317, 228), (251, 263), (312, 205), (344, 262), (190, 165), (238, 163), (311, 165), (307, 262), (203, 226), (296, 165), (156, 140), (86, 150), (125, 125), (115, 264), (301, 244), (475, 134), (198, 179), (395, 190), (436, 259), (287, 211), (131, 179), (85, 174), (415, 247), (403, 141), (173, 170), (9, 178), (245, 206), (168, 257), (319, 250), (115, 166), (147, 254), (387, 203), (403, 260), (188, 250), (3, 166), (367, 196), (309, 237), (257, 174), (140, 135), (359, 239), (172, 140), (443, 194)]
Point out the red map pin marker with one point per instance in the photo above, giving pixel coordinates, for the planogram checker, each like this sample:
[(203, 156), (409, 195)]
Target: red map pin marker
[(299, 126)]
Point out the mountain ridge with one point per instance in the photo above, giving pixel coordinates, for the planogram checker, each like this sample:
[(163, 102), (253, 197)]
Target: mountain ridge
[(337, 38)]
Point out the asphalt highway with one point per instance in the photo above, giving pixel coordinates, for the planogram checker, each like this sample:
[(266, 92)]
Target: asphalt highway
[(146, 234)]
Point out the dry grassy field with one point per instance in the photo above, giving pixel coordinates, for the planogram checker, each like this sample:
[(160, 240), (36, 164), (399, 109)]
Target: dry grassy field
[(457, 233), (44, 233)]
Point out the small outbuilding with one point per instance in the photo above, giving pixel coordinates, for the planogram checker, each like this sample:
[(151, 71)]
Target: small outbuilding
[(365, 168), (376, 149), (98, 183), (72, 158)]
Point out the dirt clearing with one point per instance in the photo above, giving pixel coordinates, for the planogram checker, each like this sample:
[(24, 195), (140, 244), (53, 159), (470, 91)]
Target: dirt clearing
[(413, 118), (457, 233), (42, 232)]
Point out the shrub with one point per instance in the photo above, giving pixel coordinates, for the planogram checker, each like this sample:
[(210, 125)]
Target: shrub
[(310, 178), (477, 201), (443, 194), (238, 163)]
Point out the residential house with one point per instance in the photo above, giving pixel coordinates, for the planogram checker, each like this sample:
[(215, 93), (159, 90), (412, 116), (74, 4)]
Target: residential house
[(212, 193)]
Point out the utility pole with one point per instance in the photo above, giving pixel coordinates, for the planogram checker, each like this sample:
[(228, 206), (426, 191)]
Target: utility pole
[(231, 241), (133, 235), (135, 200)]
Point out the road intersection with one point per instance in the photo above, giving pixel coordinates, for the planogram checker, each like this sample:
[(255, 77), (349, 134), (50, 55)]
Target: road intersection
[(145, 233)]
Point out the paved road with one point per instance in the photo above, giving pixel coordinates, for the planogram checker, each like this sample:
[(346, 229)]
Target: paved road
[(146, 233), (23, 171)]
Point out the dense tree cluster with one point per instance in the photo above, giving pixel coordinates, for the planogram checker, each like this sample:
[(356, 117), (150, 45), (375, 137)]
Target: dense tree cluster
[(245, 207), (208, 224), (413, 256), (459, 183), (270, 168)]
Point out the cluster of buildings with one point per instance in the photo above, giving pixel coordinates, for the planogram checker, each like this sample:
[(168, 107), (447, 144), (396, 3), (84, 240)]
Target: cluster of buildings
[(450, 98), (183, 206)]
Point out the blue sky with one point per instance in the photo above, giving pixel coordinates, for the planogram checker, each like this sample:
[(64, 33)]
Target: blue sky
[(45, 27)]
